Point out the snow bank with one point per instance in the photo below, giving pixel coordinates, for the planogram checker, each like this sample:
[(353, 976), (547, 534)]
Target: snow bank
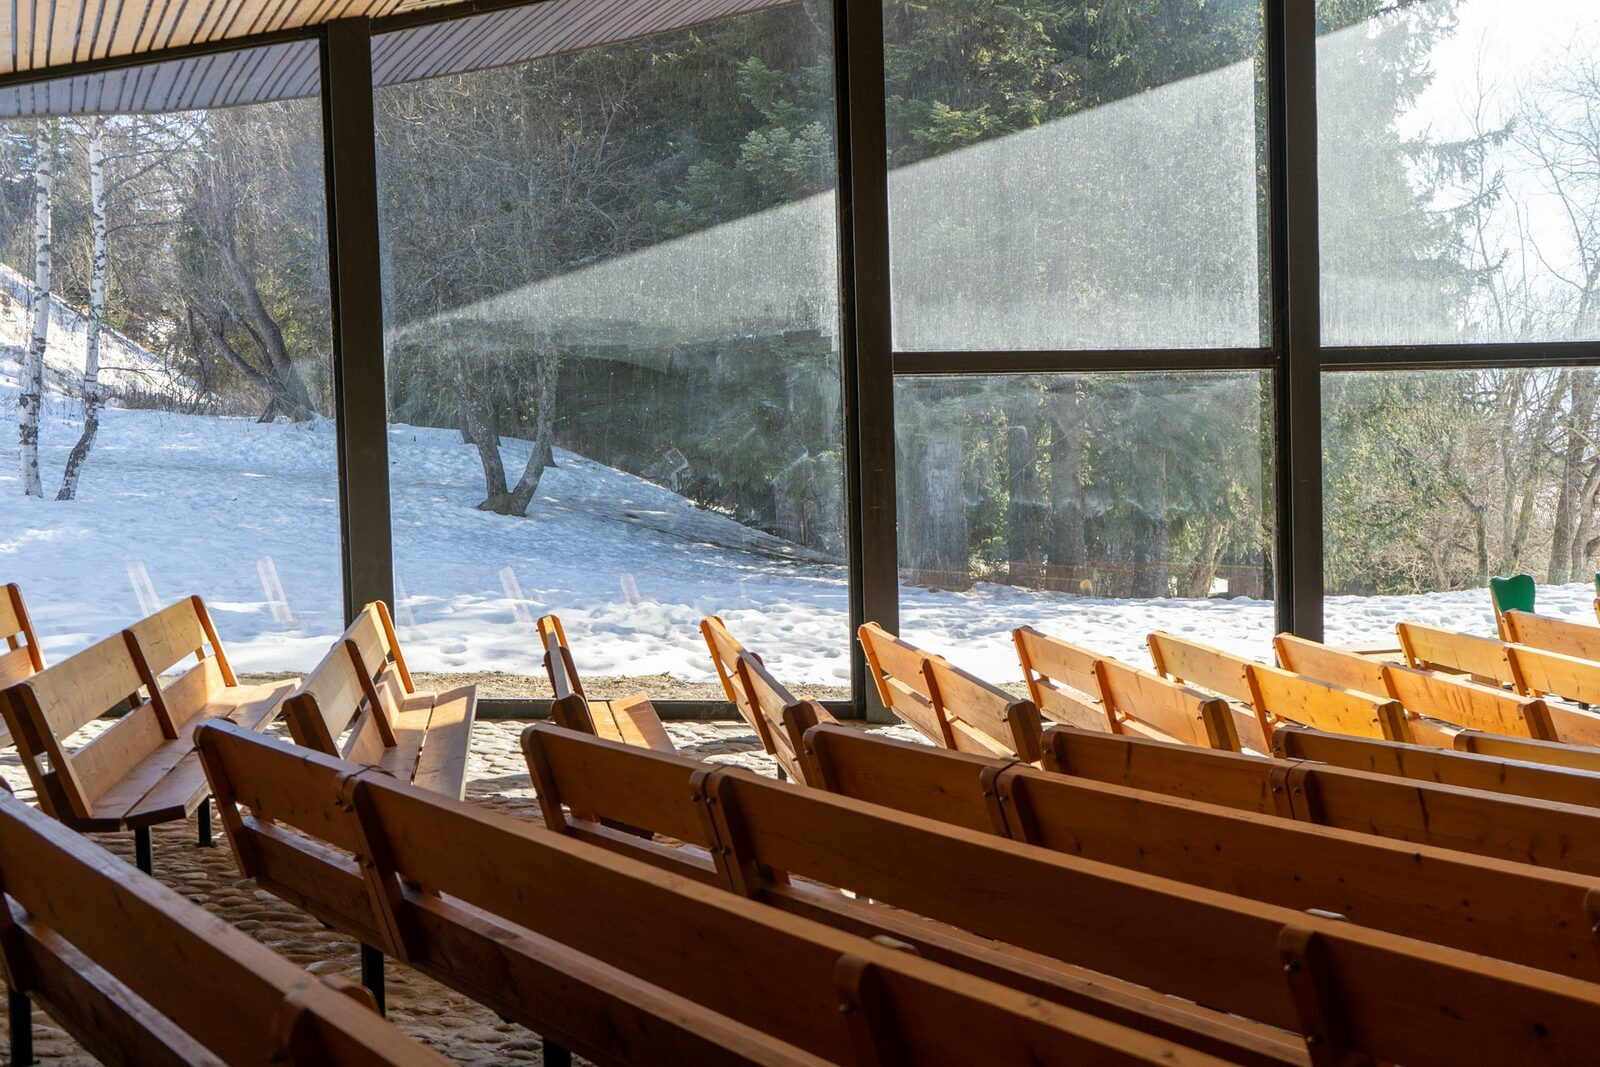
[(171, 504)]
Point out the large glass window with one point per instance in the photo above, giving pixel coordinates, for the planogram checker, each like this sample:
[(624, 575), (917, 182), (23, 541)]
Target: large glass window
[(1460, 171), (1096, 507), (164, 339), (1436, 480), (613, 352), (1066, 177)]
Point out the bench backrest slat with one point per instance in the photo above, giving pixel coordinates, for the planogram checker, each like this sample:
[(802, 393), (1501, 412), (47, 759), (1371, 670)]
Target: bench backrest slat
[(176, 632), (22, 657), (1555, 674), (1468, 704), (881, 770), (328, 700), (558, 664), (1481, 761), (194, 974), (725, 650), (1061, 679), (1200, 665), (1170, 710), (1000, 723), (1318, 704), (1577, 639), (896, 669), (785, 718), (1432, 648), (1333, 665)]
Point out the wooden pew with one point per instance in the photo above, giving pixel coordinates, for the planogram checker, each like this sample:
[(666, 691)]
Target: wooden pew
[(139, 975), (614, 959), (1398, 999), (1561, 837), (362, 692), (1504, 765), (1438, 706), (787, 718), (184, 629), (22, 657), (138, 772), (772, 712), (1061, 679), (1280, 696), (631, 719), (1498, 908), (1213, 670), (1577, 639), (952, 708)]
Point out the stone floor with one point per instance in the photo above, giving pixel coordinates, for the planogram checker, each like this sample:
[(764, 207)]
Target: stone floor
[(457, 1027)]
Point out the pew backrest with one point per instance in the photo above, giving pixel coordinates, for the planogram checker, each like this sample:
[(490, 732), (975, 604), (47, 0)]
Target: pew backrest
[(1061, 678), (1311, 702), (881, 770), (896, 668), (140, 975), (181, 630), (1200, 665), (786, 718), (982, 718), (22, 656), (1333, 665), (725, 650), (569, 706), (1577, 639), (1548, 755), (1432, 648), (1143, 703), (1468, 704)]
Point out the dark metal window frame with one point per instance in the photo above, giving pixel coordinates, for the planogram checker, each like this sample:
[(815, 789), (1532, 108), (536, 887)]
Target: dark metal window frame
[(1294, 354)]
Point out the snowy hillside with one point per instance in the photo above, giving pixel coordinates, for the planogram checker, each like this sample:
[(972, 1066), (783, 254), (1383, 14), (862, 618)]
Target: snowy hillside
[(177, 503)]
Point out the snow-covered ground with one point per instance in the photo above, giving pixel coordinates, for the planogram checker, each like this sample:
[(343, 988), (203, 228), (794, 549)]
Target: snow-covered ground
[(171, 504)]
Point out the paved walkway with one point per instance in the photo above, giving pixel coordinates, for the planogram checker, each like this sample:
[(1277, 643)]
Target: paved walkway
[(455, 1026)]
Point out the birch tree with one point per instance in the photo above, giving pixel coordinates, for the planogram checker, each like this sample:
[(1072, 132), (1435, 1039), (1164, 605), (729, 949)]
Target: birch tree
[(91, 393), (31, 394)]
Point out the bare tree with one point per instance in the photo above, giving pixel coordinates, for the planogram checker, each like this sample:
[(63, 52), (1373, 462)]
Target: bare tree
[(90, 390), (31, 395)]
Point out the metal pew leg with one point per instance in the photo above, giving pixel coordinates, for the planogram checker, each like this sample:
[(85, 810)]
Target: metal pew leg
[(372, 974), (141, 850), (204, 818), (556, 1056), (20, 1020)]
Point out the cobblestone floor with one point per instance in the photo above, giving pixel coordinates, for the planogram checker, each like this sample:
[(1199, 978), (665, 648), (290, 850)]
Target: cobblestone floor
[(455, 1026)]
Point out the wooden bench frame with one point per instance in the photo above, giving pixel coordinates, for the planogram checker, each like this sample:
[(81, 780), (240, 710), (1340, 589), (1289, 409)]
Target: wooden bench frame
[(631, 719), (614, 959), (1562, 837), (362, 691), (952, 708), (1397, 999), (139, 975), (1201, 666), (23, 658), (142, 770), (787, 717), (1507, 910)]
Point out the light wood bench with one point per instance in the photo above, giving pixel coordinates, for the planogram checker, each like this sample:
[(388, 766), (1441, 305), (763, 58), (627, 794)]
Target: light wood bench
[(359, 703), (1130, 700), (1561, 837), (1525, 670), (1577, 639), (141, 770), (1281, 696), (630, 719), (1215, 671), (1483, 761), (1438, 706), (614, 959), (1396, 999), (951, 707), (787, 718), (22, 657), (1498, 908), (725, 650), (139, 975)]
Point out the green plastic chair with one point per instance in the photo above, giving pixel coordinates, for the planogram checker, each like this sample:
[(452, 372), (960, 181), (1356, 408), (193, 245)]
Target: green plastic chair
[(1515, 593)]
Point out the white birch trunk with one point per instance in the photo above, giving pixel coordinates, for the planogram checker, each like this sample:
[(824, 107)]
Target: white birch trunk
[(32, 391), (92, 398)]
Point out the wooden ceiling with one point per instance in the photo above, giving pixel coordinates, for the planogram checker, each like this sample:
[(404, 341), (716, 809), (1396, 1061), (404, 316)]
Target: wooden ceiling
[(49, 34)]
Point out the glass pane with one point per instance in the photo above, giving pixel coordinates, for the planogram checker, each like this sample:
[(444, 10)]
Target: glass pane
[(612, 331), (1096, 507), (1435, 480), (194, 369), (1063, 177), (1460, 170)]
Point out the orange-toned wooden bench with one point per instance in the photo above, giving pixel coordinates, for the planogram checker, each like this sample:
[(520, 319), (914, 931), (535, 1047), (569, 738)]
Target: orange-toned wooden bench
[(630, 719), (1580, 640), (1398, 999), (139, 975), (359, 703), (615, 959), (1214, 671), (952, 708), (141, 770), (22, 657), (772, 712), (1130, 700), (1558, 836), (1482, 761), (1499, 908)]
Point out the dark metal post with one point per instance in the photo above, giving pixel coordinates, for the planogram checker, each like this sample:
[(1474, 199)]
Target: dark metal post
[(203, 816), (556, 1056), (867, 340), (19, 1018), (351, 166), (1297, 306), (372, 975), (141, 850)]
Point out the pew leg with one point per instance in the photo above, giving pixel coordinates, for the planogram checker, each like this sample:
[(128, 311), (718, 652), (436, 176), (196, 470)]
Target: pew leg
[(782, 775), (556, 1056), (141, 850), (20, 1019), (203, 816), (372, 974)]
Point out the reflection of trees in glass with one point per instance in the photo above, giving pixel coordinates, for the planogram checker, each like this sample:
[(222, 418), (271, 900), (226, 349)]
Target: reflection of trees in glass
[(1111, 485)]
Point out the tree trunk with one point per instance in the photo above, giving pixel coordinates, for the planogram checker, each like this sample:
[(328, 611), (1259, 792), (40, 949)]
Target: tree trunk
[(1150, 553), (1024, 508), (31, 395), (92, 398), (1068, 551), (544, 423), (1570, 484)]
